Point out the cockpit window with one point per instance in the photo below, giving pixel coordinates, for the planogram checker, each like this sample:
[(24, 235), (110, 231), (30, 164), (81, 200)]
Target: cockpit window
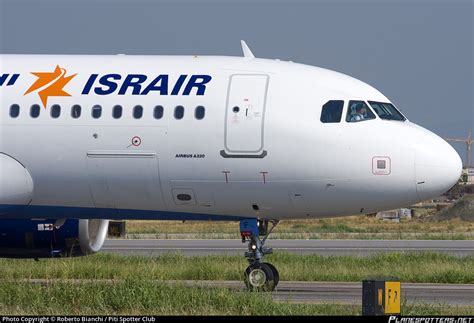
[(332, 111), (358, 111), (387, 111)]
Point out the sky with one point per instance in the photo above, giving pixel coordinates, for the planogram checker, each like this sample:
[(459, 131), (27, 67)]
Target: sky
[(419, 53)]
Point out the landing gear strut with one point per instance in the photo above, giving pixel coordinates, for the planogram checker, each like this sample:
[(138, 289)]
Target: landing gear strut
[(259, 275)]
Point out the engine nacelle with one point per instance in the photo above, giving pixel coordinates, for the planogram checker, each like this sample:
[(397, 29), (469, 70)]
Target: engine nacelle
[(16, 184), (25, 238)]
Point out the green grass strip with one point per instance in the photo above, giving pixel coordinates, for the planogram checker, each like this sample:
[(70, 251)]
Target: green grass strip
[(407, 267), (145, 297)]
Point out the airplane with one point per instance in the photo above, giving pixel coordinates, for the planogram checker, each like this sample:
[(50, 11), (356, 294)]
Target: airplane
[(90, 138)]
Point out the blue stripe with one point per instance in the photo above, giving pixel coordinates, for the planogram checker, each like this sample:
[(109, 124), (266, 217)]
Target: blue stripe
[(13, 79), (3, 78), (40, 211)]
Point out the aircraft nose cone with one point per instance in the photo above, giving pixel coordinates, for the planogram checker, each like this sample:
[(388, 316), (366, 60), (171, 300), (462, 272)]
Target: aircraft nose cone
[(437, 167)]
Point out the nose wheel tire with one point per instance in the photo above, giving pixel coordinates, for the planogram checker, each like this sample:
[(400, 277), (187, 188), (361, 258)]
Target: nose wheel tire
[(276, 275), (259, 277)]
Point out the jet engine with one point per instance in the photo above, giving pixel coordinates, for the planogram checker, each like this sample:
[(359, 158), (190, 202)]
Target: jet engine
[(25, 238), (16, 184)]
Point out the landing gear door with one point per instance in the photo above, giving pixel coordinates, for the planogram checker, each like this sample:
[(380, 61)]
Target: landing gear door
[(245, 115)]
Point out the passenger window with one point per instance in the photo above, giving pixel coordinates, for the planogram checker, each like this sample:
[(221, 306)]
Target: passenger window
[(200, 112), (137, 111), (332, 111), (76, 111), (35, 111), (358, 111), (96, 111), (14, 110), (117, 112), (158, 112), (55, 111), (179, 112)]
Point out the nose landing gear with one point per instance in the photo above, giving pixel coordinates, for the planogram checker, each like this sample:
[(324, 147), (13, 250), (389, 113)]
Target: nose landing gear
[(259, 275)]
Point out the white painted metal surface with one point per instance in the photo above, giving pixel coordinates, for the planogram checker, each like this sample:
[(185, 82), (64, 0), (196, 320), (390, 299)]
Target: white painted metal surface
[(309, 169)]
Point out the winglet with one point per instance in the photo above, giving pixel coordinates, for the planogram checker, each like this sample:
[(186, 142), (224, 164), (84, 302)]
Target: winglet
[(247, 52)]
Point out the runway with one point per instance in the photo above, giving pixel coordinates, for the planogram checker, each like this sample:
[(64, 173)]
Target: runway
[(321, 292), (151, 247)]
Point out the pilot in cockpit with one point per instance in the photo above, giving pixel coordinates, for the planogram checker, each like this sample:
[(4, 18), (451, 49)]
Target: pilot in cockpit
[(359, 112)]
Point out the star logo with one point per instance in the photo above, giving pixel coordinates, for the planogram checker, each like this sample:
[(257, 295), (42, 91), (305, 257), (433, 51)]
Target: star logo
[(50, 84)]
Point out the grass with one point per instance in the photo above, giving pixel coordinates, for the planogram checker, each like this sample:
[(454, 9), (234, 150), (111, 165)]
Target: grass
[(408, 267), (145, 297), (137, 287), (136, 296), (352, 227)]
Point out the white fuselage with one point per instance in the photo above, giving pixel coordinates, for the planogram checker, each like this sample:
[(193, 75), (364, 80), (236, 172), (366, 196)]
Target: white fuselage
[(273, 158)]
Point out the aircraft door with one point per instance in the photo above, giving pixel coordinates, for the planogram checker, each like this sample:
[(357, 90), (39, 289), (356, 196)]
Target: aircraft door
[(245, 115)]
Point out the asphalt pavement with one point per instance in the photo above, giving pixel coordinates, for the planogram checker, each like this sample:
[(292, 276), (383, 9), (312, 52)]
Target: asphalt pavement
[(150, 247)]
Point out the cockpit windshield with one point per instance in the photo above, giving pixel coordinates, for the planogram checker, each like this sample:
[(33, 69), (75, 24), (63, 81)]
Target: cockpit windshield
[(358, 111), (386, 111)]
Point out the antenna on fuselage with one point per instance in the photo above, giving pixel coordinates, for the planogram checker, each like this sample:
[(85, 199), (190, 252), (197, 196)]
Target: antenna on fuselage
[(247, 52)]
